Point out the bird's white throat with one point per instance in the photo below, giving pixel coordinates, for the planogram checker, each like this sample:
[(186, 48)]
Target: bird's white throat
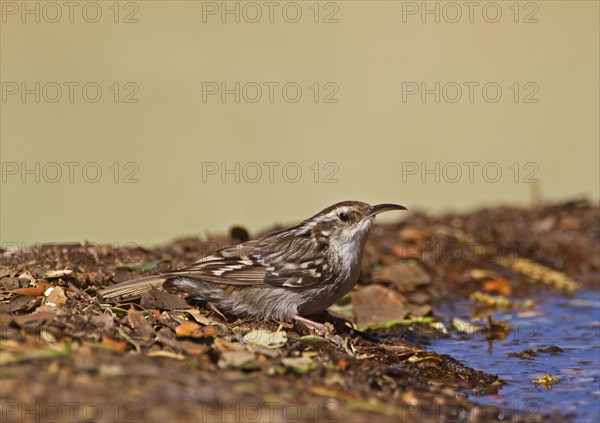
[(350, 245)]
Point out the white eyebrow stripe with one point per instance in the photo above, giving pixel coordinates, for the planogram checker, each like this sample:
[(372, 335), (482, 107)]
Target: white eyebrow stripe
[(339, 210)]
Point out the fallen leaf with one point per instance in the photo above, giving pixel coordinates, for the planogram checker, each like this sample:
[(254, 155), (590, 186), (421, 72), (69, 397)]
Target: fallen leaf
[(464, 326), (235, 358), (143, 331), (186, 329), (414, 310), (194, 330), (103, 321), (18, 303), (27, 275), (405, 275), (375, 304), (113, 345), (9, 284), (162, 300), (491, 300), (35, 291), (53, 274), (200, 318), (419, 297), (440, 327), (266, 338), (480, 274), (501, 285), (57, 297)]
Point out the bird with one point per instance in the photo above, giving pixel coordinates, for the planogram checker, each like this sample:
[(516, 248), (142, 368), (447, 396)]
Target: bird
[(288, 275)]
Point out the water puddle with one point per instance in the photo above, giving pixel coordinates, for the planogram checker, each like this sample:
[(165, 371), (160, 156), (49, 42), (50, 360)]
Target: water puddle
[(572, 324)]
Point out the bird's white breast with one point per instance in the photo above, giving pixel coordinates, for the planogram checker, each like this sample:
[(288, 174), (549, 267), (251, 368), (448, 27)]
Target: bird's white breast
[(348, 252)]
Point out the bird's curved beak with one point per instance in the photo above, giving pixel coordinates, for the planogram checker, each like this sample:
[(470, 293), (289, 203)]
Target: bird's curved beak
[(380, 208)]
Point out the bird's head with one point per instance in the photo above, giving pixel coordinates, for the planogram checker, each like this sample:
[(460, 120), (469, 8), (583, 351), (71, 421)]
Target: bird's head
[(346, 222)]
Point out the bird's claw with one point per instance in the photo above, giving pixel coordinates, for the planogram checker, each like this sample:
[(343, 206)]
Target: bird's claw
[(325, 330)]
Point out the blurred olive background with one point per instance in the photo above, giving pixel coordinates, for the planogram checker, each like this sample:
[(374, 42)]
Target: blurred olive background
[(160, 134)]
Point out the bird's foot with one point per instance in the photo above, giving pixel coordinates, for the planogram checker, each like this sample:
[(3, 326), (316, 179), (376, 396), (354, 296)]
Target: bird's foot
[(322, 329), (325, 330)]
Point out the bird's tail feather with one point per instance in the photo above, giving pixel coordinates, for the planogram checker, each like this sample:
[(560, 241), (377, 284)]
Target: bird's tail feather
[(134, 288)]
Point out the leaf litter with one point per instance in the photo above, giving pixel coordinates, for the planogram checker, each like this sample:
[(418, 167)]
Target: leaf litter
[(169, 349)]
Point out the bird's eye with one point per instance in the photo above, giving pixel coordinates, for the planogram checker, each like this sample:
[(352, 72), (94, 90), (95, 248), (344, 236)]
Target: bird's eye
[(343, 217)]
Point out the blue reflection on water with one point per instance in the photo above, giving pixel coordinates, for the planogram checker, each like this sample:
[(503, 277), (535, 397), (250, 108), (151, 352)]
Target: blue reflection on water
[(572, 324)]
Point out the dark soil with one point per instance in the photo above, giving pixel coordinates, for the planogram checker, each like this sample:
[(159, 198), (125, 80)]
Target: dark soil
[(69, 356)]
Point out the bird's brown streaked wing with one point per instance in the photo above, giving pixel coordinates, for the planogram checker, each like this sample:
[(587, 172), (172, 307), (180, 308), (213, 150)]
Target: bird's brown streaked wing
[(294, 263), (227, 272), (250, 264), (269, 263)]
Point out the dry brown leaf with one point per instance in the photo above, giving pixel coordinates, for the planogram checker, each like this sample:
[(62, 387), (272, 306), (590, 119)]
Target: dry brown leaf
[(34, 291), (501, 285), (20, 302), (194, 330), (57, 296), (491, 300), (103, 321), (163, 300), (8, 284), (53, 274), (375, 304), (142, 329), (405, 275), (186, 329), (266, 338), (113, 345), (27, 275)]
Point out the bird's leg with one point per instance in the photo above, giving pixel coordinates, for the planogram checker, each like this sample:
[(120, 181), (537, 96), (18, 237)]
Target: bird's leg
[(216, 310), (343, 326), (340, 324), (319, 328), (325, 330)]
